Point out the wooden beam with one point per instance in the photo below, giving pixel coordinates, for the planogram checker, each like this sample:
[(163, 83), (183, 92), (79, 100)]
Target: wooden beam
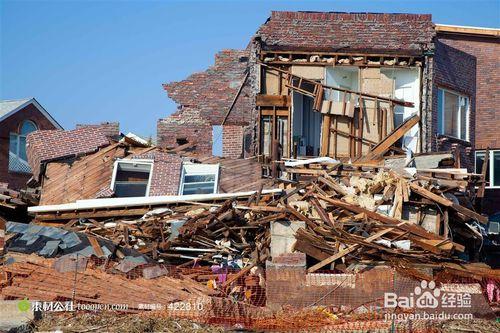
[(448, 203), (365, 95), (377, 152), (413, 229), (348, 250), (273, 100), (325, 134)]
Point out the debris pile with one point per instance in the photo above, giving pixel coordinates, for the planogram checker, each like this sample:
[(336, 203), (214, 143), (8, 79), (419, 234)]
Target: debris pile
[(347, 211), (217, 247)]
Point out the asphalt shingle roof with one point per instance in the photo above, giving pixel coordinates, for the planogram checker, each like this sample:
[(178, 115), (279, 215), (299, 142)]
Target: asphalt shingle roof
[(7, 106)]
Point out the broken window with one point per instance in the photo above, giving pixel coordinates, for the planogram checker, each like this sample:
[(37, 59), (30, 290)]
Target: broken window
[(18, 160), (493, 168), (453, 114), (132, 178), (199, 179)]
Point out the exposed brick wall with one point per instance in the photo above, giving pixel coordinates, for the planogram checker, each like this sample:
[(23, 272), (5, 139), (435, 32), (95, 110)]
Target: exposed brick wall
[(166, 172), (398, 33), (48, 145), (232, 141), (12, 124), (454, 70), (185, 124), (107, 128), (212, 92)]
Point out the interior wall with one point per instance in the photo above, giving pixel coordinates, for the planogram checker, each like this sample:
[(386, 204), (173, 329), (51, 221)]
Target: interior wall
[(406, 87)]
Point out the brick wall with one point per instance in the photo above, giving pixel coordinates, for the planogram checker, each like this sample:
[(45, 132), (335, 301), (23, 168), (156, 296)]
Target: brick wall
[(107, 128), (486, 51), (212, 92), (370, 32), (487, 116), (48, 145), (454, 70), (204, 100), (232, 141), (166, 172), (12, 124), (185, 124)]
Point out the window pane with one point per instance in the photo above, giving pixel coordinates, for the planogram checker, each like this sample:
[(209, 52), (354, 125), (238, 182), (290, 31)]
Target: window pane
[(22, 148), (199, 178), (463, 117), (450, 114), (203, 188), (28, 127), (131, 179), (496, 168), (130, 189), (13, 144), (479, 165)]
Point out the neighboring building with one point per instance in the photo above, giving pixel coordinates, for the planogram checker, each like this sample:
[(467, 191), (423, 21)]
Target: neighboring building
[(484, 45), (18, 118), (332, 84)]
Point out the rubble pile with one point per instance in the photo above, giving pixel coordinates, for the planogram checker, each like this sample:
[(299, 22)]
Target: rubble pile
[(347, 213), (218, 247)]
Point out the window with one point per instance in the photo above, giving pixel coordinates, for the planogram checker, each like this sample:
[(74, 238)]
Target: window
[(132, 178), (493, 169), (199, 179), (453, 114), (18, 160)]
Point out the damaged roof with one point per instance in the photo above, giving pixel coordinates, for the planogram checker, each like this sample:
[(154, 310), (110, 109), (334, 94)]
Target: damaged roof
[(347, 32), (56, 144)]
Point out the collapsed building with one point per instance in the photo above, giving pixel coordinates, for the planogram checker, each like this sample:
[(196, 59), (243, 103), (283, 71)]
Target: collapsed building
[(336, 84)]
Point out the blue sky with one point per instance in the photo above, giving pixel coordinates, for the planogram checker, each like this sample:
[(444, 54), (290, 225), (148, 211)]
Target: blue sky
[(94, 61)]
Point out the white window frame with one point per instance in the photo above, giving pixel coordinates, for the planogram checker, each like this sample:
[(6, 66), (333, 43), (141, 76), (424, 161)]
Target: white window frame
[(459, 124), (18, 144), (132, 161), (491, 165), (195, 169)]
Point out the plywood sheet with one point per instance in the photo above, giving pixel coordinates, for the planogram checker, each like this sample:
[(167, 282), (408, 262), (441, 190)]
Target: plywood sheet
[(309, 72)]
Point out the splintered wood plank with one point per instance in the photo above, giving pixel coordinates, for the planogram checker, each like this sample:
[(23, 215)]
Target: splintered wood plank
[(96, 246), (325, 134), (448, 203), (347, 250), (273, 100), (377, 152)]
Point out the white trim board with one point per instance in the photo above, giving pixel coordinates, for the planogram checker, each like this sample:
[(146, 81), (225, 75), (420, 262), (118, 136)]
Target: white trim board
[(141, 201)]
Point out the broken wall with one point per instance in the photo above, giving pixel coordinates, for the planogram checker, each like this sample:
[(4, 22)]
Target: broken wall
[(186, 125), (221, 94)]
